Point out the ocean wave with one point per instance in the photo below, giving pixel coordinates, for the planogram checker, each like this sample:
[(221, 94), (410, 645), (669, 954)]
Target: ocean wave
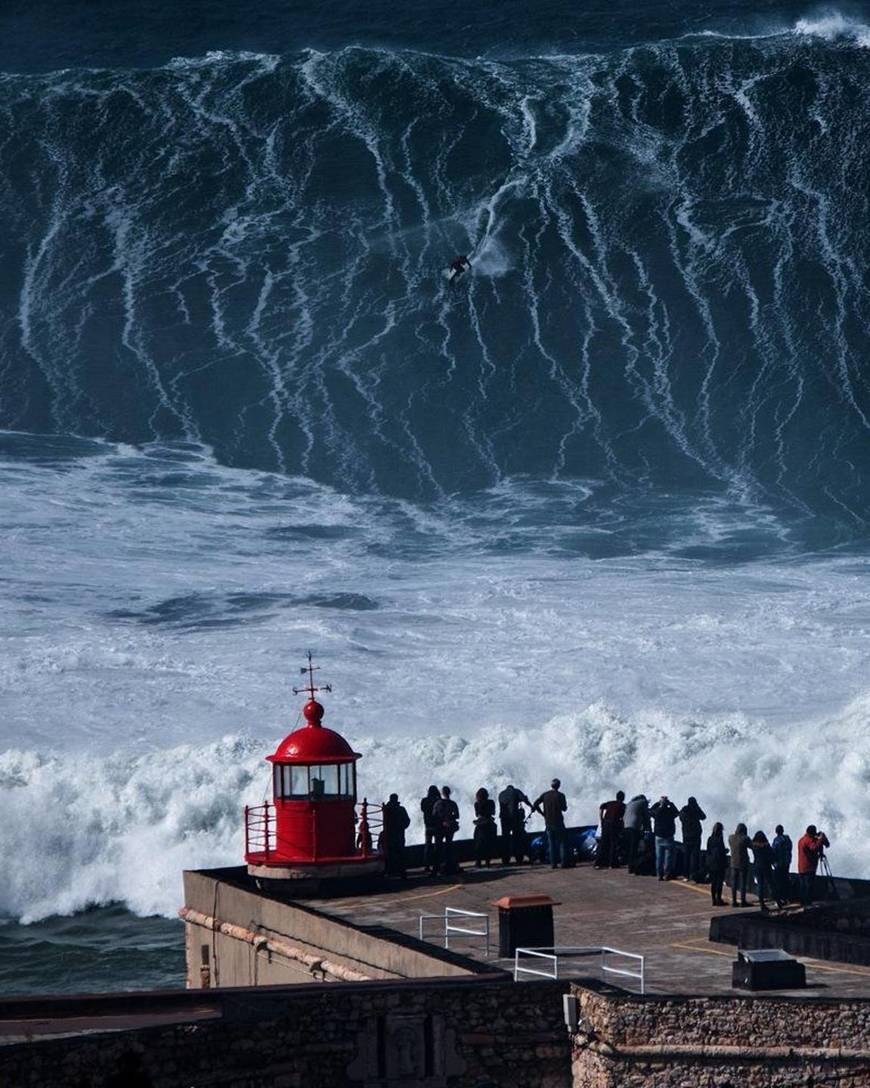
[(826, 26), (246, 251), (833, 26), (83, 830)]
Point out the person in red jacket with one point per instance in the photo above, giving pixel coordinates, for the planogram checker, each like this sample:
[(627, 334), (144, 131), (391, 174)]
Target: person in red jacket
[(810, 851), (611, 815)]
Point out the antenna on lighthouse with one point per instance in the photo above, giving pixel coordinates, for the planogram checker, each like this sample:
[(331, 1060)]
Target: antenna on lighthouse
[(311, 669)]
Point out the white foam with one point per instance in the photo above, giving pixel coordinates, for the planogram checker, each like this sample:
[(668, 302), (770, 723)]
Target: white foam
[(78, 830), (156, 606), (833, 25)]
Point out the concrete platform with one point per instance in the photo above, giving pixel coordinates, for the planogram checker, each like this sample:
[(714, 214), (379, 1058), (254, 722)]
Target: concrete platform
[(666, 922)]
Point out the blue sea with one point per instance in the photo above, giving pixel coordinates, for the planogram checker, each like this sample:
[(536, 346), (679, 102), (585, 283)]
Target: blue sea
[(599, 509)]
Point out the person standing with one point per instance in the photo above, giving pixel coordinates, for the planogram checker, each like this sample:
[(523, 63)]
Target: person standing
[(552, 805), (611, 814), (396, 821), (427, 805), (691, 818), (717, 863), (810, 851), (782, 852), (664, 817), (738, 844), (762, 864), (512, 823), (484, 828), (637, 823), (446, 814)]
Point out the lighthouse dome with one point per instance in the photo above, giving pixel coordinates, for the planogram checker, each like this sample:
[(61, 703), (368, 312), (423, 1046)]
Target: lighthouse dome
[(313, 743)]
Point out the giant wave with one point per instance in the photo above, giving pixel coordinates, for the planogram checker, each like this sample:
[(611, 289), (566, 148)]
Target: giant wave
[(670, 247)]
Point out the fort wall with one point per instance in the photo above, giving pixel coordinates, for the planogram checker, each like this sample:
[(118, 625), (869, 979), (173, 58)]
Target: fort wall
[(625, 1041), (474, 1033)]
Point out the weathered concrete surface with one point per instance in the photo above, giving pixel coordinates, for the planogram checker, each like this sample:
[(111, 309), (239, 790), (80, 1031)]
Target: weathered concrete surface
[(231, 897), (666, 922)]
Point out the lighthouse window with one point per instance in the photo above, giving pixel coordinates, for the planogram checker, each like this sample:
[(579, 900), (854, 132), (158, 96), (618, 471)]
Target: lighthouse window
[(324, 780), (298, 781), (314, 781)]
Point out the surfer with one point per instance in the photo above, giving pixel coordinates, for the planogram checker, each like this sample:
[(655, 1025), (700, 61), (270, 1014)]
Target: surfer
[(458, 267)]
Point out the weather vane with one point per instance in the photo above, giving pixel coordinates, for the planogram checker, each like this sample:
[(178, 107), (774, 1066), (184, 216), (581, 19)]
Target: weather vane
[(309, 687)]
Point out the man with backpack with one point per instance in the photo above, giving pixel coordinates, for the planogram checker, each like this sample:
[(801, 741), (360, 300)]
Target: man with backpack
[(510, 815), (445, 814)]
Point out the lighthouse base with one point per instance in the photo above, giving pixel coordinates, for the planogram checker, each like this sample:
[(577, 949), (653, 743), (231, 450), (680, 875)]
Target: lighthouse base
[(338, 869)]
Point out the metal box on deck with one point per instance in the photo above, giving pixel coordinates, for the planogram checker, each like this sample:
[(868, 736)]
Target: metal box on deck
[(767, 969), (524, 921)]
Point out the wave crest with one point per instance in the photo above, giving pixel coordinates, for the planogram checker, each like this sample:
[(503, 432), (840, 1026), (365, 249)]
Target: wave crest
[(86, 830)]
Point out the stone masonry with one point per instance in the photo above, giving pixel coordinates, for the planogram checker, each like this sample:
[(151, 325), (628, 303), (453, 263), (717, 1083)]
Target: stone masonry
[(625, 1041), (475, 1033)]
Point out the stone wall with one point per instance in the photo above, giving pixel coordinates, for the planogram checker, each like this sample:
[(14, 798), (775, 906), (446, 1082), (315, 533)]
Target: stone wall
[(625, 1041), (474, 1033)]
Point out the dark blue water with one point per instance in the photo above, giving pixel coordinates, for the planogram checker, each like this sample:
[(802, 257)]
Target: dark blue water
[(624, 462), (102, 950), (245, 248)]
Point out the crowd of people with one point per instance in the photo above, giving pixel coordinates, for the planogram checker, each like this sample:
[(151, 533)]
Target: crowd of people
[(638, 835)]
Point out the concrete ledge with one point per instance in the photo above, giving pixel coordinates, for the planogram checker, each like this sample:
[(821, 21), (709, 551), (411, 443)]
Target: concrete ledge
[(757, 930), (315, 876)]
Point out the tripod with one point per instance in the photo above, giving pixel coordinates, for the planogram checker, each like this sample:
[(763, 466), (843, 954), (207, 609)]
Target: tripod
[(828, 875)]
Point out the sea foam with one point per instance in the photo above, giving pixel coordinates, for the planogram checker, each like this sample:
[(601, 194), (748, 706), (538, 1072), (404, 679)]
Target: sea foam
[(82, 830)]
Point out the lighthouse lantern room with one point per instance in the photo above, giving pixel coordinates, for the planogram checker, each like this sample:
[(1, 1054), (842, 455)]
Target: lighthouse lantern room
[(313, 826)]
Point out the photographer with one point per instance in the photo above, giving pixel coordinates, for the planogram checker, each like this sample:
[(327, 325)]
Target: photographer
[(810, 851)]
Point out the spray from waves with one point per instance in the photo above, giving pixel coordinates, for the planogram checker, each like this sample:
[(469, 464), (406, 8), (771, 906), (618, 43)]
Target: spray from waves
[(131, 823), (832, 26), (826, 25), (246, 250)]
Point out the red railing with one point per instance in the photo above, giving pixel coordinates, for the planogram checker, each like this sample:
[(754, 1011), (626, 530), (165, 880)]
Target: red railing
[(261, 829), (369, 825)]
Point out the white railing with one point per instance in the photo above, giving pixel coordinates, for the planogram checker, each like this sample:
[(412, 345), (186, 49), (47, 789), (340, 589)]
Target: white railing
[(548, 961), (457, 922)]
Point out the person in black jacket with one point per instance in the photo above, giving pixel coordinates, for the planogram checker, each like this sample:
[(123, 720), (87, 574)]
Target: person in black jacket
[(446, 815), (485, 837), (738, 845), (396, 821), (717, 863), (691, 816), (427, 805), (664, 817), (763, 860), (510, 817)]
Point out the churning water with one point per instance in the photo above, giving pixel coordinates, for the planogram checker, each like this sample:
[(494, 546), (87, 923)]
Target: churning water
[(599, 510)]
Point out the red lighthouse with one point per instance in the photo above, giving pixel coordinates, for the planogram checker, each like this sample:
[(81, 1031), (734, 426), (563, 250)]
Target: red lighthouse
[(313, 826)]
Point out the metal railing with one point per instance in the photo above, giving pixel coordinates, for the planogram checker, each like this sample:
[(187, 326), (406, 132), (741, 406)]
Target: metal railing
[(369, 826), (554, 958), (261, 835), (450, 920)]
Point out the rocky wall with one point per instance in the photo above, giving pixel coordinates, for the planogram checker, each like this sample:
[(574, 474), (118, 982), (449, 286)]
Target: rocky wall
[(720, 1042), (443, 1034)]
